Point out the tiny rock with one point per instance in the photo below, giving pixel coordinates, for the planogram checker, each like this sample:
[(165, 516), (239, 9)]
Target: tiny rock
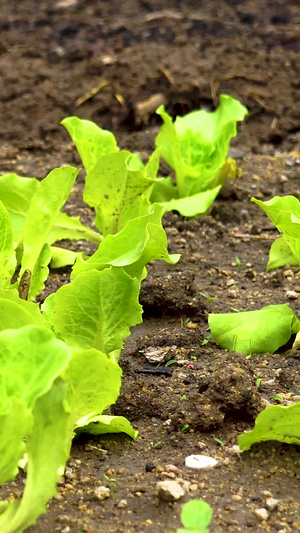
[(102, 493), (261, 514), (169, 490), (236, 497), (200, 461), (271, 504), (173, 469), (122, 504), (292, 295)]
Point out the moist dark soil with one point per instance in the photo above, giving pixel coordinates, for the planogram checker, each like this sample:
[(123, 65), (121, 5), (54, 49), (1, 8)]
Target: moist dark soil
[(103, 61)]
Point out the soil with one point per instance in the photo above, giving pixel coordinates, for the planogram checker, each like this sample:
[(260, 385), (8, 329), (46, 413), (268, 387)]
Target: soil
[(102, 61)]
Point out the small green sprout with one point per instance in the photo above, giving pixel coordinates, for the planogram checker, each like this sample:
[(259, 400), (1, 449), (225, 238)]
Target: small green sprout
[(219, 441), (258, 383), (278, 398), (207, 339), (196, 515), (185, 427), (182, 398), (110, 481), (207, 297), (238, 262), (171, 362)]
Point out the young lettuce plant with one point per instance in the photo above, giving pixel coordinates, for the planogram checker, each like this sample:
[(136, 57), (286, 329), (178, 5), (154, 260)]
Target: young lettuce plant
[(271, 327), (31, 221), (196, 515), (196, 147), (284, 212), (117, 184)]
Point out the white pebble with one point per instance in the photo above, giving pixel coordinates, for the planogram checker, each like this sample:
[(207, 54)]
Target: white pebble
[(271, 504), (102, 493), (200, 461), (261, 514)]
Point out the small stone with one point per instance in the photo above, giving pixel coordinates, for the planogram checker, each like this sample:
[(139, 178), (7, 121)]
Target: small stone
[(66, 529), (267, 493), (262, 514), (230, 282), (288, 273), (292, 295), (170, 491), (201, 445), (170, 475), (236, 497), (193, 487), (173, 469), (122, 504), (102, 493), (226, 461), (271, 504), (200, 461), (138, 494)]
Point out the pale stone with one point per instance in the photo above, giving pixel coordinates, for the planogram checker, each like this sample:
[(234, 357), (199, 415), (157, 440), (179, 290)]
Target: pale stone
[(102, 493), (169, 490), (200, 461)]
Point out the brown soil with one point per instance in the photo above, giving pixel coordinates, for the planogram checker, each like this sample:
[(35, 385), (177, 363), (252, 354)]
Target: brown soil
[(52, 56)]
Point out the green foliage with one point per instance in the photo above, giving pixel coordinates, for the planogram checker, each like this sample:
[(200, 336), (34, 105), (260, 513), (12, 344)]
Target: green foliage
[(142, 240), (196, 515), (96, 310), (274, 423), (28, 204), (249, 332), (195, 147), (117, 189), (91, 142), (284, 212)]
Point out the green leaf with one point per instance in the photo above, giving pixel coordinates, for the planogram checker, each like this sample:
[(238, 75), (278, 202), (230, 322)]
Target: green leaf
[(96, 310), (164, 190), (14, 423), (196, 515), (99, 425), (281, 255), (16, 313), (45, 205), (16, 192), (30, 359), (114, 185), (284, 212), (190, 206), (277, 422), (94, 383), (196, 145), (141, 241), (91, 142), (8, 261), (67, 227), (250, 332), (48, 448), (61, 257)]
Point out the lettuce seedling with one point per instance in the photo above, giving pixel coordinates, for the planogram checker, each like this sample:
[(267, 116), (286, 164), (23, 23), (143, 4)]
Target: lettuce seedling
[(277, 422), (196, 515), (249, 332), (117, 185), (142, 240), (284, 212), (195, 147), (91, 141), (31, 407), (28, 204), (96, 310)]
